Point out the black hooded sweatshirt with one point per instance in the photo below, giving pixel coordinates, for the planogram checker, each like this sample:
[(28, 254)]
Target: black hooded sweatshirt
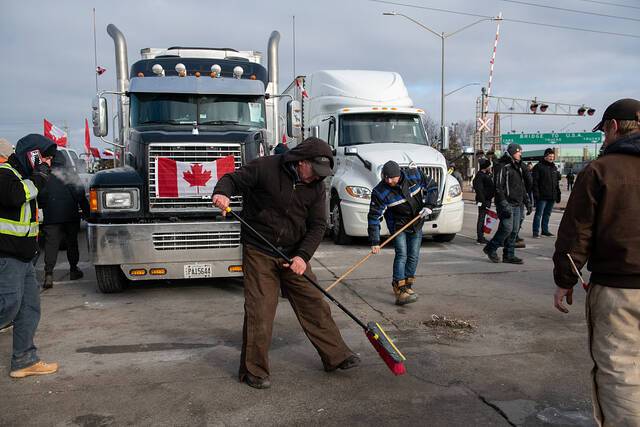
[(289, 213), (63, 194), (13, 194)]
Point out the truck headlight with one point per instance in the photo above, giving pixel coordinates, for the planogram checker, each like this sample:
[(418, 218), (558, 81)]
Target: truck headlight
[(358, 192), (119, 199), (454, 191)]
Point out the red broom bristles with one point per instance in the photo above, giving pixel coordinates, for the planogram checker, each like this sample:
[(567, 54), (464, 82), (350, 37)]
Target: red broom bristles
[(397, 368)]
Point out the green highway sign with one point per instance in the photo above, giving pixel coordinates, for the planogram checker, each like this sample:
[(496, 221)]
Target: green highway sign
[(583, 138)]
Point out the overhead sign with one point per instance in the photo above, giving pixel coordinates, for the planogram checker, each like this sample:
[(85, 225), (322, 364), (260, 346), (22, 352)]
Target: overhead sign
[(582, 138)]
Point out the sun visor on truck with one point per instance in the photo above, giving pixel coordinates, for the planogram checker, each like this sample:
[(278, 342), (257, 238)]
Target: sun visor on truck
[(196, 85)]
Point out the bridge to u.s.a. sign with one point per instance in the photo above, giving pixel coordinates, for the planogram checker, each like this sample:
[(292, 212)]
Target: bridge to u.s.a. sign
[(582, 138)]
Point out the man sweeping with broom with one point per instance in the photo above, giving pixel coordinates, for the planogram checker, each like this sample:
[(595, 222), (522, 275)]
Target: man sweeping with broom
[(402, 198), (283, 201)]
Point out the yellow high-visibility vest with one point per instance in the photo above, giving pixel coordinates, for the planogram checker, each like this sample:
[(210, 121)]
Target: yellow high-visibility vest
[(25, 226)]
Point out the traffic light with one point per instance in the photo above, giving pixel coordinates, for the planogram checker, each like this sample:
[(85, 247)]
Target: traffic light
[(533, 107), (581, 111), (591, 111), (543, 107)]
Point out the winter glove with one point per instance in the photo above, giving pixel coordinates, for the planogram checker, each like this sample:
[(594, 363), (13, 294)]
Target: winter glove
[(425, 212), (479, 204), (529, 210)]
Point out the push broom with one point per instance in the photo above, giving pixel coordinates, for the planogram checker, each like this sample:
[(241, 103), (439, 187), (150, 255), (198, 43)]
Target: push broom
[(389, 353)]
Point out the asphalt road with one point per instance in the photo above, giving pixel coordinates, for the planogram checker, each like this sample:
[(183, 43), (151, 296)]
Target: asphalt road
[(484, 347)]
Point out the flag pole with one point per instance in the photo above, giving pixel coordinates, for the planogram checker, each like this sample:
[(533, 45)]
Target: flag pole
[(95, 50)]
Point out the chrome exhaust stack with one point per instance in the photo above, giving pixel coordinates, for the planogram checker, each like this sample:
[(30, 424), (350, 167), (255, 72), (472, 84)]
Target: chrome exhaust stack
[(272, 69), (122, 80)]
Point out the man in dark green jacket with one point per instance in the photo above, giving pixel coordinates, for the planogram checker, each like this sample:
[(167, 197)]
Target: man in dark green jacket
[(284, 200), (21, 177)]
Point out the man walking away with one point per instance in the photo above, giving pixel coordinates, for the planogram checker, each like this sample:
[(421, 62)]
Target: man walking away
[(600, 227), (485, 191), (511, 196), (284, 200), (399, 197), (61, 201), (546, 191), (21, 177), (570, 179)]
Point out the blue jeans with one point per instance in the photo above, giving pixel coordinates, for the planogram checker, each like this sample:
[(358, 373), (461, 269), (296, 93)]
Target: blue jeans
[(543, 211), (507, 232), (407, 245), (20, 304)]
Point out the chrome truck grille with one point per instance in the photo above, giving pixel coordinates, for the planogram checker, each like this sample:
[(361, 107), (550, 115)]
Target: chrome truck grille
[(434, 172), (196, 240), (188, 152)]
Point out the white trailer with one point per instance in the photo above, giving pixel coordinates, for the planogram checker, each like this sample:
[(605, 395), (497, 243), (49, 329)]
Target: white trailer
[(368, 118)]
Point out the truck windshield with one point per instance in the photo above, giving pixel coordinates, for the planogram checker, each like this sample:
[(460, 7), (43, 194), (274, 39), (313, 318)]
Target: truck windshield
[(375, 128), (177, 109)]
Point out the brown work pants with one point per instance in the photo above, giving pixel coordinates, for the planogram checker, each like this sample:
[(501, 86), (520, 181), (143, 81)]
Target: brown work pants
[(613, 316), (263, 278)]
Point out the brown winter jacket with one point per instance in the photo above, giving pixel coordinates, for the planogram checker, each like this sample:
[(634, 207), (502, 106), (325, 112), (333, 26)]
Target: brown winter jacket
[(289, 213), (601, 223)]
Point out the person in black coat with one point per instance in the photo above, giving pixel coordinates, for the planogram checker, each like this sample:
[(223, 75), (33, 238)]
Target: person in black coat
[(546, 192), (571, 177), (61, 201), (485, 191)]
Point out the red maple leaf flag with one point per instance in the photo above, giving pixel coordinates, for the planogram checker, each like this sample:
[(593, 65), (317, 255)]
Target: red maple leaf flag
[(87, 137), (186, 179), (490, 221), (55, 134)]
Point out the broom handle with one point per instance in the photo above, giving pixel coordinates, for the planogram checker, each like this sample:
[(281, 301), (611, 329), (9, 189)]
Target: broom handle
[(289, 260), (359, 263)]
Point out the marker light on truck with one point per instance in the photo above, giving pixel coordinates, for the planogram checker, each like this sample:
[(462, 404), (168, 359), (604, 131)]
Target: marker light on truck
[(215, 70), (181, 69), (237, 72), (93, 200), (157, 70), (358, 192)]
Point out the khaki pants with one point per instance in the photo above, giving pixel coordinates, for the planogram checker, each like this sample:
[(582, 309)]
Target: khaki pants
[(613, 316), (263, 278)]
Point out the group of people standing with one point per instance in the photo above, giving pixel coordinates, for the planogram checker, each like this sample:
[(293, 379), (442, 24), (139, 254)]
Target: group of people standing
[(516, 189)]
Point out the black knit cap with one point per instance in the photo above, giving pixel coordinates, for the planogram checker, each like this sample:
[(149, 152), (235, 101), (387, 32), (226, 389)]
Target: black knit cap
[(484, 163), (391, 169), (548, 151)]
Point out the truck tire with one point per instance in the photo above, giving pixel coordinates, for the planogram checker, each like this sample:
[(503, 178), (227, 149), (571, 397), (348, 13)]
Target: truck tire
[(443, 238), (110, 279), (338, 234)]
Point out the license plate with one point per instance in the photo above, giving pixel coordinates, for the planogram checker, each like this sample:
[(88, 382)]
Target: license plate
[(198, 271)]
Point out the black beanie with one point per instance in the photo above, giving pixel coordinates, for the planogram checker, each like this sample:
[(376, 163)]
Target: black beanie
[(548, 151), (484, 163), (513, 148), (390, 169)]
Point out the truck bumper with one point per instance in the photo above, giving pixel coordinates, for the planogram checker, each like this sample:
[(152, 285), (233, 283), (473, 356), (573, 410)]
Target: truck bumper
[(354, 217), (169, 246)]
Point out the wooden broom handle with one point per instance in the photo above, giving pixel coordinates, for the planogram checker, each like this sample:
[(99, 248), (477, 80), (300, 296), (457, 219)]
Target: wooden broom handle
[(359, 263)]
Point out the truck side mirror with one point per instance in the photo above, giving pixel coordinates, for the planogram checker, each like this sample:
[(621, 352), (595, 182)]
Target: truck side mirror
[(100, 116), (294, 119)]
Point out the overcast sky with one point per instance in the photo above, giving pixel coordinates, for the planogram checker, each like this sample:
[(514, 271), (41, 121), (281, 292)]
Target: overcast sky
[(48, 67)]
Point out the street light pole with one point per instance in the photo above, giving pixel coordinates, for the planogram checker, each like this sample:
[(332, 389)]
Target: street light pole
[(442, 36)]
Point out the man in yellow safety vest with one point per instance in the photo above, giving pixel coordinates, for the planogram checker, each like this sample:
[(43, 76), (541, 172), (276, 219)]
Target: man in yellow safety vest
[(21, 177)]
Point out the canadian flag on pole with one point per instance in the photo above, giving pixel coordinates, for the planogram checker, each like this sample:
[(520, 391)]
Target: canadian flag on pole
[(55, 134), (490, 221), (185, 179)]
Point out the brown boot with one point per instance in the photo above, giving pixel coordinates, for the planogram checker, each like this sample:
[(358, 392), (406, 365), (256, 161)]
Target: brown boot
[(38, 368), (400, 290), (409, 287)]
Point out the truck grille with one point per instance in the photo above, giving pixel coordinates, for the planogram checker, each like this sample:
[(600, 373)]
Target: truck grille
[(434, 172), (191, 152), (196, 240)]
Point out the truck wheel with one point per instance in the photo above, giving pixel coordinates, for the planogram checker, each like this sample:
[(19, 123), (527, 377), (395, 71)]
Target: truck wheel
[(443, 238), (338, 234), (110, 279)]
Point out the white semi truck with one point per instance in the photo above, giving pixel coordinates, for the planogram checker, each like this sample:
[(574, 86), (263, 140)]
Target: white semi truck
[(368, 118)]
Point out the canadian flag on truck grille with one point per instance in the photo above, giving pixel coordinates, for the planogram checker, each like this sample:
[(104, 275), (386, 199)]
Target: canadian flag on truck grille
[(186, 179)]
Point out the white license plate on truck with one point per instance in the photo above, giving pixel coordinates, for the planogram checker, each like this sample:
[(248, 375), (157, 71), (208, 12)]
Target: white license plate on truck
[(198, 271)]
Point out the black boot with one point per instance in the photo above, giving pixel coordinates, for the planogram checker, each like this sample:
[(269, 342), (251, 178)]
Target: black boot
[(75, 274), (48, 281)]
